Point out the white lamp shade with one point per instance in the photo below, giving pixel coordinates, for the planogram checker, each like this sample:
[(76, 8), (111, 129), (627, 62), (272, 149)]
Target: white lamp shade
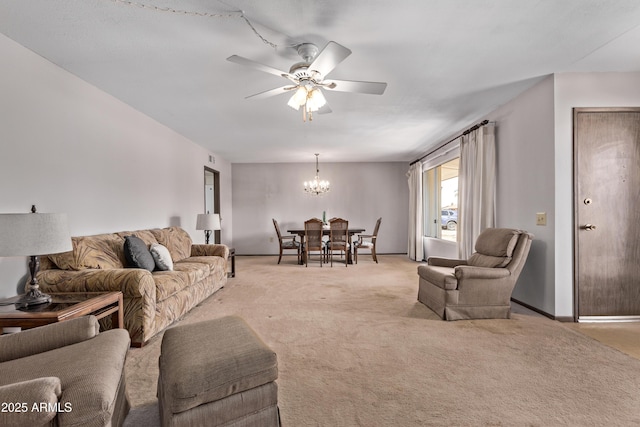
[(27, 234), (208, 222)]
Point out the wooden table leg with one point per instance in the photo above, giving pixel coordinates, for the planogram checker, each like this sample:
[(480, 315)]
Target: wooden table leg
[(117, 318)]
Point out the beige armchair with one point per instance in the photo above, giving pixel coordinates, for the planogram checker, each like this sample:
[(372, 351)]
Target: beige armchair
[(64, 374), (480, 287)]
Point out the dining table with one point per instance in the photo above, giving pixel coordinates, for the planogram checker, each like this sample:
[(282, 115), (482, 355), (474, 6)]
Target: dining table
[(325, 232)]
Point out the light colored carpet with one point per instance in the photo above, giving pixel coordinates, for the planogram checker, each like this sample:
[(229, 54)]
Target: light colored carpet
[(355, 348)]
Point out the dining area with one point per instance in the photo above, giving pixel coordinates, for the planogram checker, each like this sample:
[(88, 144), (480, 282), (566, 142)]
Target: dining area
[(320, 242)]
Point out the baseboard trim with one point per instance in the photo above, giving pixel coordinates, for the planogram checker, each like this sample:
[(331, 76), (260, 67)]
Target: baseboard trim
[(608, 319), (537, 310)]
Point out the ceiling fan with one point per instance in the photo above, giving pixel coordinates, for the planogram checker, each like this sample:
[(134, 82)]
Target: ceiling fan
[(307, 78)]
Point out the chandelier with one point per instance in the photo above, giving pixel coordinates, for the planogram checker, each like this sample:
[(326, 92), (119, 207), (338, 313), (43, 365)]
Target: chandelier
[(316, 187), (310, 98)]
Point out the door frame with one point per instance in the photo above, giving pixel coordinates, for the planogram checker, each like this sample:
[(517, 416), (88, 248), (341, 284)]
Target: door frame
[(216, 197), (576, 225)]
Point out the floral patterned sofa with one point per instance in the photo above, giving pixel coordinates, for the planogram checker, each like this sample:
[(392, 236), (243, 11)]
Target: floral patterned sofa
[(152, 300)]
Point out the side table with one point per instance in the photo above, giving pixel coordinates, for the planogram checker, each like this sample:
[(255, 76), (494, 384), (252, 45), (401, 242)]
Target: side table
[(64, 306)]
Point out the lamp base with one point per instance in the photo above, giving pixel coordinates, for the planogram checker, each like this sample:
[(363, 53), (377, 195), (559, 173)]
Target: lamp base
[(31, 298)]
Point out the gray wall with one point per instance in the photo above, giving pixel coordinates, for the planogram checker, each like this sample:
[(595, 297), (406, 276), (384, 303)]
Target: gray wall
[(535, 161), (360, 193), (525, 186), (68, 147)]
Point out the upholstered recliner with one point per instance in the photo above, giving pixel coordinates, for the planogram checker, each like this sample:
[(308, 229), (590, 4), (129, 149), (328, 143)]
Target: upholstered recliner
[(64, 374), (480, 287)]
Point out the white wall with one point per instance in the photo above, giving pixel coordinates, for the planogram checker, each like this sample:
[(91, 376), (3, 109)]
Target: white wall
[(525, 185), (360, 193), (66, 146)]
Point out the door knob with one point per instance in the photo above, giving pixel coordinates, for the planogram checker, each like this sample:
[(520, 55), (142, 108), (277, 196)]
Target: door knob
[(589, 227)]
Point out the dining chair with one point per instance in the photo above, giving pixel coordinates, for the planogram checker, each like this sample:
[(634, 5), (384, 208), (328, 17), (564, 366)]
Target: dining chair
[(287, 242), (367, 241), (339, 238), (313, 239)]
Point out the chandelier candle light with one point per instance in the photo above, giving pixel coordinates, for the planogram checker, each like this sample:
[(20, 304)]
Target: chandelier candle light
[(316, 187)]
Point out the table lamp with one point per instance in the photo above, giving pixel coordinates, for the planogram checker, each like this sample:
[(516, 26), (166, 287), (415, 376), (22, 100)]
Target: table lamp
[(208, 223), (33, 234)]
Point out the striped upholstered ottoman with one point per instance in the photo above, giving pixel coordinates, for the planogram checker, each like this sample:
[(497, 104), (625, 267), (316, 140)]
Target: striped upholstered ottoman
[(217, 372)]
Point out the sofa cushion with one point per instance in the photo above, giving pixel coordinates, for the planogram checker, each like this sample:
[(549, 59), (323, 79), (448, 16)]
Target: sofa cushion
[(137, 254), (146, 236), (169, 283), (101, 251), (161, 256), (176, 240), (184, 274), (212, 262)]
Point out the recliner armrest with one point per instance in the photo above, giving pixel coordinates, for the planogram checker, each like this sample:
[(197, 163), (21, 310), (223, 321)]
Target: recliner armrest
[(445, 262), (471, 272), (48, 337)]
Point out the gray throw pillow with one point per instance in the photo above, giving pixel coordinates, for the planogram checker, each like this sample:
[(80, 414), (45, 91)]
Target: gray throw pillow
[(137, 254)]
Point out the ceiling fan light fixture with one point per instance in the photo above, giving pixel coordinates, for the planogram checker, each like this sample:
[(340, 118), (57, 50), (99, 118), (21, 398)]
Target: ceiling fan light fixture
[(315, 100), (308, 78), (299, 98)]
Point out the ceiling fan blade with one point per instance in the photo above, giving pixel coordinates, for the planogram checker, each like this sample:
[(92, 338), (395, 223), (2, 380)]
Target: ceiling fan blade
[(258, 66), (271, 92), (332, 54), (371, 88)]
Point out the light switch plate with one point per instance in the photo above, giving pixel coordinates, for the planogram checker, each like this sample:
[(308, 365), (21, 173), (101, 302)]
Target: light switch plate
[(541, 218)]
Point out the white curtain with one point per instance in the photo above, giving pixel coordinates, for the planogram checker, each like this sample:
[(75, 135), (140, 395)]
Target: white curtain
[(415, 249), (477, 187)]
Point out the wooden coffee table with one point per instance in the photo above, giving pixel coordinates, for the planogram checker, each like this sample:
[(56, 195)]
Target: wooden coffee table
[(64, 306)]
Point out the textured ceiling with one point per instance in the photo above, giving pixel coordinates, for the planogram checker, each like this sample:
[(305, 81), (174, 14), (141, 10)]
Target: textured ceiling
[(447, 63)]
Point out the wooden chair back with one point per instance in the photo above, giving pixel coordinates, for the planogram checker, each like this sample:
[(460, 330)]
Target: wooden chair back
[(339, 238), (275, 224), (313, 238), (339, 233)]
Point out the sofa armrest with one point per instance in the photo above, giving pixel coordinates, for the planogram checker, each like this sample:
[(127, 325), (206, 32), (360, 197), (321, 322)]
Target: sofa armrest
[(210, 250), (21, 398), (445, 262), (132, 282), (48, 337)]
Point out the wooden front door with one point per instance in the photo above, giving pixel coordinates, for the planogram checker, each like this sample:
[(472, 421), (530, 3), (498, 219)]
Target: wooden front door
[(607, 212)]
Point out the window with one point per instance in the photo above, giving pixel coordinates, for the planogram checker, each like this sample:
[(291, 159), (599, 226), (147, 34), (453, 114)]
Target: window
[(440, 186)]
